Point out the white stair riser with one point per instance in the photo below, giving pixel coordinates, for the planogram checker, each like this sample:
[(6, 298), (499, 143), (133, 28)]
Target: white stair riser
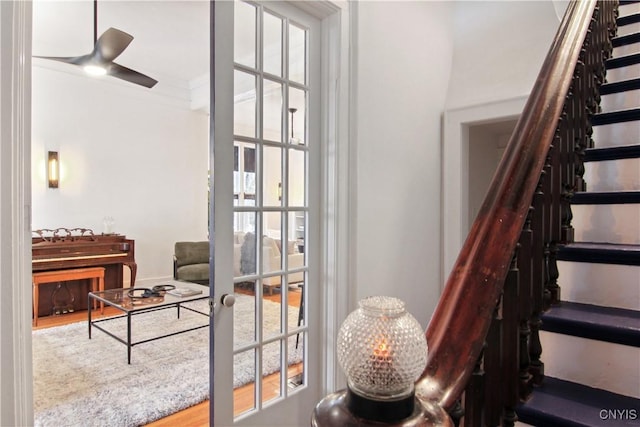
[(617, 134), (627, 49), (603, 365), (621, 100), (622, 223), (600, 284), (624, 73), (613, 175), (625, 30)]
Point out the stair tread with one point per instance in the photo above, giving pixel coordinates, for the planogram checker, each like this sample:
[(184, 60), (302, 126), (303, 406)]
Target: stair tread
[(559, 402), (623, 61), (610, 324), (605, 197), (597, 252), (612, 153), (625, 40), (616, 117), (621, 86), (629, 19), (604, 246)]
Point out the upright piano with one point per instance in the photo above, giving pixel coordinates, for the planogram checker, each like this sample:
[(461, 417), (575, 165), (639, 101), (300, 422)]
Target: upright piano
[(64, 248)]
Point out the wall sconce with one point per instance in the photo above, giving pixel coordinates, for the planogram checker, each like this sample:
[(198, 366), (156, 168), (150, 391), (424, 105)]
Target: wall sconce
[(53, 169), (383, 350)]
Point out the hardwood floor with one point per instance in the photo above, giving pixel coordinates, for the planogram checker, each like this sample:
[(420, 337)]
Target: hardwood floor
[(198, 415)]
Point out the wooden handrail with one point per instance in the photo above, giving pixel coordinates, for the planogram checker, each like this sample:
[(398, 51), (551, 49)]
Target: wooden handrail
[(459, 326)]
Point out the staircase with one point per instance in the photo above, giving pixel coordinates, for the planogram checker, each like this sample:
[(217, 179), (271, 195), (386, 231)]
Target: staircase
[(591, 343)]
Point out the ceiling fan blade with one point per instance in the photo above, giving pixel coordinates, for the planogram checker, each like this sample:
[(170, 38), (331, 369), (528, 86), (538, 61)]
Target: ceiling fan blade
[(110, 45), (124, 73), (75, 60)]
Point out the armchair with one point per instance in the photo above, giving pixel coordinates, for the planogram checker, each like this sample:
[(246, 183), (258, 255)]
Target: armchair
[(191, 262)]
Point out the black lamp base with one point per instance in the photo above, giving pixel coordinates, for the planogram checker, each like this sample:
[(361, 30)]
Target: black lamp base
[(346, 409), (379, 410)]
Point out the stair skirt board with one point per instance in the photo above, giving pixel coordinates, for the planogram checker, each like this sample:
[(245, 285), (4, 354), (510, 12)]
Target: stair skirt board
[(559, 403)]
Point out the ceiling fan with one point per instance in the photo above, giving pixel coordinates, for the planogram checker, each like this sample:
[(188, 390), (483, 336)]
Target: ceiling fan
[(105, 49)]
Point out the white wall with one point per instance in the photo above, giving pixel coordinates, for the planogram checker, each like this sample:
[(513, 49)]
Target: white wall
[(125, 152), (499, 49), (403, 57)]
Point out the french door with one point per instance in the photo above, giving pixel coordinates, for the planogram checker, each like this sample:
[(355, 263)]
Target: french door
[(266, 157)]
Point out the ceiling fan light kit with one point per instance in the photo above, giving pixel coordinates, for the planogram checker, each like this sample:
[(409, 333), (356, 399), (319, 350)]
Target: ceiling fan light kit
[(106, 48), (95, 70)]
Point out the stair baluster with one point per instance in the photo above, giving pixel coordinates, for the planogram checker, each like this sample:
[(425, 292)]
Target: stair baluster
[(510, 342), (536, 368), (525, 301), (494, 386), (474, 395)]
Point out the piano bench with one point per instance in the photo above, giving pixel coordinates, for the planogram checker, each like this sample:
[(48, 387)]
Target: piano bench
[(95, 274)]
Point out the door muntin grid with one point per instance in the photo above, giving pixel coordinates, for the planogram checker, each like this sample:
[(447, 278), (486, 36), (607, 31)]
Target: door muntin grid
[(271, 99)]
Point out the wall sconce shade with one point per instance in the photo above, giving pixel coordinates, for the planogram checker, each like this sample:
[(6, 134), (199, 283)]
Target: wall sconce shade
[(53, 169)]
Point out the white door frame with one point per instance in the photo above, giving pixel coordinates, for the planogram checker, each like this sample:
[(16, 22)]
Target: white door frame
[(455, 169), (16, 406), (337, 186)]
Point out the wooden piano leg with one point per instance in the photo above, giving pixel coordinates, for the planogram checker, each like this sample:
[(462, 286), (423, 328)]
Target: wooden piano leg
[(133, 267)]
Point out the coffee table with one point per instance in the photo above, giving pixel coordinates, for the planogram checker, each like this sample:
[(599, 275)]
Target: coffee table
[(119, 299)]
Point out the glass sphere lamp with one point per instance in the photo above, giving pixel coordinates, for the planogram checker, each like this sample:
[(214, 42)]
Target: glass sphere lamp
[(383, 350)]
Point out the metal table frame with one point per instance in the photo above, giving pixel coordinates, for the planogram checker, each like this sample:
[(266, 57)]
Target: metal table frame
[(142, 309)]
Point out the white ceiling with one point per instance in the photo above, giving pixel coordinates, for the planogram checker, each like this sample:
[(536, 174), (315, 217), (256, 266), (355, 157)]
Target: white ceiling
[(171, 38)]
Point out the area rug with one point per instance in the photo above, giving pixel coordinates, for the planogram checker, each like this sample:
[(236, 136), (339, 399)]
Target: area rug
[(82, 382)]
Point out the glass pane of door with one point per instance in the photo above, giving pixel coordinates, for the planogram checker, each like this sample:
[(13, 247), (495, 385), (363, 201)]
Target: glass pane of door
[(271, 207), (272, 44), (244, 105)]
